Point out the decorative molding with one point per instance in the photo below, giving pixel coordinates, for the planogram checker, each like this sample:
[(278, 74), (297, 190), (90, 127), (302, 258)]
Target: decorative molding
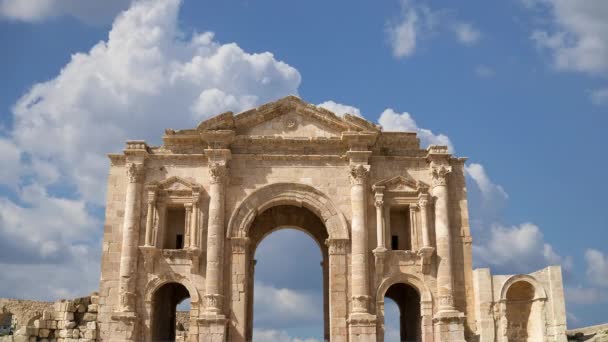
[(337, 246), (239, 244)]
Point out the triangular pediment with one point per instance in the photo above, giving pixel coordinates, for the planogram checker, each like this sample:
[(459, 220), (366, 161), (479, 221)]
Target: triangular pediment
[(401, 184), (287, 117), (176, 184)]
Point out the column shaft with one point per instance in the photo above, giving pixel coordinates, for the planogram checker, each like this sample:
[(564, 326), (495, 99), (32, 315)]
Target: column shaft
[(130, 233), (424, 226), (444, 246), (360, 278), (380, 229), (194, 226), (150, 222), (215, 239)]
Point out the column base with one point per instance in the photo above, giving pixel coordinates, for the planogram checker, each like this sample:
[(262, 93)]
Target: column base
[(449, 326), (126, 326), (362, 327), (212, 328)]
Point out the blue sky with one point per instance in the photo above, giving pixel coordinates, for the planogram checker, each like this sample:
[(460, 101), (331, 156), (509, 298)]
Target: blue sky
[(518, 86)]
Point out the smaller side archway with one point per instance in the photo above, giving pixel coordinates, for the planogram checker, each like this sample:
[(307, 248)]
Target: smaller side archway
[(415, 303), (163, 295), (523, 309)]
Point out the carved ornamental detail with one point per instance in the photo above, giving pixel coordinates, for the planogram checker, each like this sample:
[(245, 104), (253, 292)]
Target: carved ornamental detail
[(135, 172), (440, 174), (358, 174), (217, 172)]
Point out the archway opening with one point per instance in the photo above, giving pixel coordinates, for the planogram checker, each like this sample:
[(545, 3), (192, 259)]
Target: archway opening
[(406, 299), (520, 300), (288, 276), (169, 303)]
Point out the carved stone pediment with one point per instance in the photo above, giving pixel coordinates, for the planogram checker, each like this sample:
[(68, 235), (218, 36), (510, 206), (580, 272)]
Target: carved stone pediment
[(401, 184), (175, 185), (287, 117)]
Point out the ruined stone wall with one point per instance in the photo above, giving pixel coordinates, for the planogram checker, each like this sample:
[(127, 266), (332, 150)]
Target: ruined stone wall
[(62, 321)]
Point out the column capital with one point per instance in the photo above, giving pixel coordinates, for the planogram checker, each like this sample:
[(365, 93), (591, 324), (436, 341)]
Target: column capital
[(135, 172), (413, 207), (151, 199), (440, 174), (358, 174), (379, 200), (217, 172)]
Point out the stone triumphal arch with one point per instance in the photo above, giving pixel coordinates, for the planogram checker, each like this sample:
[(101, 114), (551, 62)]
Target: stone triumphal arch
[(183, 221)]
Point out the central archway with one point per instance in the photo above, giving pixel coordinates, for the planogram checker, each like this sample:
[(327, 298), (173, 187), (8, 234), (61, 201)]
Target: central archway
[(277, 206)]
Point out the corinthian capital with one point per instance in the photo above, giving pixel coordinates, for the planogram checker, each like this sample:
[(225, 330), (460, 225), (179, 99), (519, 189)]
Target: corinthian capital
[(440, 174), (135, 172), (217, 172), (358, 174)]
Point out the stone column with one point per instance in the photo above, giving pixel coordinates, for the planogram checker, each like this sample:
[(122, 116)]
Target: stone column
[(359, 276), (194, 243), (380, 227), (423, 202), (187, 225), (150, 218), (338, 299), (444, 242), (362, 324), (130, 235), (449, 321), (215, 239)]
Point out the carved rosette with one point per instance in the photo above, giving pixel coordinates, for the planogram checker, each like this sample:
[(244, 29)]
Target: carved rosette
[(135, 172), (440, 174), (239, 245), (360, 303), (217, 172), (336, 246), (358, 174)]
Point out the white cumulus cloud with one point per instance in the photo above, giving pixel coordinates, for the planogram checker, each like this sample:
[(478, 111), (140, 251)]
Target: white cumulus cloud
[(146, 76), (577, 36), (394, 121), (284, 306), (518, 249), (340, 109), (143, 79), (597, 267), (93, 12)]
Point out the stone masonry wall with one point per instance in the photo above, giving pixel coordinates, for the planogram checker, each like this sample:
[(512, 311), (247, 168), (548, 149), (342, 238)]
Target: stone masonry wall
[(62, 321)]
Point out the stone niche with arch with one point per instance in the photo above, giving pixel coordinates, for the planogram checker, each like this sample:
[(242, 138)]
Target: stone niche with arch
[(520, 308)]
